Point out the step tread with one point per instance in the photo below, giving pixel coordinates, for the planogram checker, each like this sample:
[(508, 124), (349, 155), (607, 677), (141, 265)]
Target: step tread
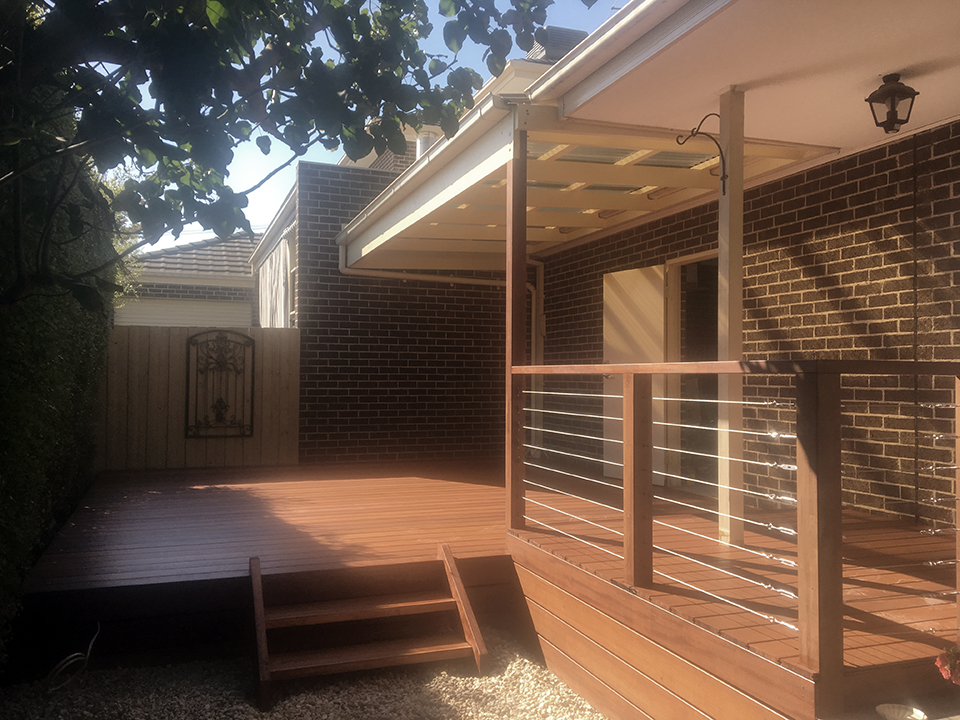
[(362, 608), (368, 656)]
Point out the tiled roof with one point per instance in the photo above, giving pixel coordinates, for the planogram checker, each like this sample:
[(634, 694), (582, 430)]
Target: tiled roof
[(228, 256)]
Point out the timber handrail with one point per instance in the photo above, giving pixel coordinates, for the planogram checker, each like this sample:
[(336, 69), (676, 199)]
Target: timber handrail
[(751, 367)]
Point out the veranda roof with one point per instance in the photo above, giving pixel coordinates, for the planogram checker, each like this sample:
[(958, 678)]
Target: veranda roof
[(603, 123)]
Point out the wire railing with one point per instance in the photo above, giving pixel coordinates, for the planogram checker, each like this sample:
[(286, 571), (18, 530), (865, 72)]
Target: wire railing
[(577, 519), (741, 538)]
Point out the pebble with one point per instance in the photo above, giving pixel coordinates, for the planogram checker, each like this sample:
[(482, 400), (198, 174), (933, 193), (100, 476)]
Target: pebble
[(517, 688)]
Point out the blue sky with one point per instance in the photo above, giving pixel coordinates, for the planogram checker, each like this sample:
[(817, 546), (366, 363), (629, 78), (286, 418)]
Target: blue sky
[(250, 165)]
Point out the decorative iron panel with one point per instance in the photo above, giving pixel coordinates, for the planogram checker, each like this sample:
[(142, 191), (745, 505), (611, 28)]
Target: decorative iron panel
[(219, 384)]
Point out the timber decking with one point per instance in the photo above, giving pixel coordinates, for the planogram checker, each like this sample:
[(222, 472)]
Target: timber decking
[(896, 607), (173, 526), (164, 529)]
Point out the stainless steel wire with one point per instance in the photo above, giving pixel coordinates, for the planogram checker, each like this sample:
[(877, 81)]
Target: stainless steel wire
[(573, 537), (573, 495), (573, 455), (573, 475), (766, 496), (756, 403), (781, 466), (571, 414), (576, 435), (728, 601), (768, 526), (572, 516), (570, 394), (769, 556), (773, 435), (766, 586)]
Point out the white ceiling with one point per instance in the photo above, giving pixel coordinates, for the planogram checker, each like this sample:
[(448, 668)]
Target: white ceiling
[(805, 67)]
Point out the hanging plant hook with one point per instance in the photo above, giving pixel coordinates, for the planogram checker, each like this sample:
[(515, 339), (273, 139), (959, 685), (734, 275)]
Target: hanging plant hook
[(723, 161)]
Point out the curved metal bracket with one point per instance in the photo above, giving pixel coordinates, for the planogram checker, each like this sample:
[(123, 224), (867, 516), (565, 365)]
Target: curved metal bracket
[(723, 161)]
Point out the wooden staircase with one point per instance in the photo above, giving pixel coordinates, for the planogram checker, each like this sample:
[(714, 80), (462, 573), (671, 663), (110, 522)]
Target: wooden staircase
[(360, 618)]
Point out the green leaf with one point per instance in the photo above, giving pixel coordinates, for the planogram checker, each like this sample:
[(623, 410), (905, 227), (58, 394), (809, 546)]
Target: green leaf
[(263, 142), (108, 286), (453, 35), (449, 8), (88, 297), (397, 143), (147, 157), (495, 65), (216, 12), (357, 143), (407, 97), (449, 123)]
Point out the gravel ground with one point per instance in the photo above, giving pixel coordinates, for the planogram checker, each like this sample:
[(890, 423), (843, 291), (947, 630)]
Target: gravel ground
[(517, 688)]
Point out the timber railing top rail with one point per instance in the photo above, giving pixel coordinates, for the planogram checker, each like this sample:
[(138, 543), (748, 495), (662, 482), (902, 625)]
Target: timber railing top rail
[(752, 367)]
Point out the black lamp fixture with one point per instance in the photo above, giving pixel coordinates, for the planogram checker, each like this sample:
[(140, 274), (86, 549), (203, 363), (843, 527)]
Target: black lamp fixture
[(891, 103)]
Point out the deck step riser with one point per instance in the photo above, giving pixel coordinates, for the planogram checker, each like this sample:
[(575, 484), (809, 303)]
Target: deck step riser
[(366, 657), (316, 623), (360, 609)]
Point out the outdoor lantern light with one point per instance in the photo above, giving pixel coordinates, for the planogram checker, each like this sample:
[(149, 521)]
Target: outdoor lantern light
[(891, 103)]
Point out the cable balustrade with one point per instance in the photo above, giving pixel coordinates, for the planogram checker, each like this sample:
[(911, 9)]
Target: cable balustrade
[(789, 531), (742, 506), (759, 553), (772, 434), (772, 497)]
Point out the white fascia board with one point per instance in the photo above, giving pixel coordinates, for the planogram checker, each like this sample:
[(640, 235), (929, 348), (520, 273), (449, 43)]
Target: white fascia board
[(483, 144), (286, 216), (638, 32)]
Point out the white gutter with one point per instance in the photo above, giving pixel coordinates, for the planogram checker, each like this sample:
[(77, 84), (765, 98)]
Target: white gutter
[(616, 47), (605, 43), (476, 122)]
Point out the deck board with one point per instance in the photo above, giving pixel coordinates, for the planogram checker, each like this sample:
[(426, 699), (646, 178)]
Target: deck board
[(159, 527), (892, 608), (141, 529)]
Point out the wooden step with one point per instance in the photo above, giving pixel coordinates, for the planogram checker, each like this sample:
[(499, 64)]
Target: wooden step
[(314, 623), (364, 608), (367, 656)]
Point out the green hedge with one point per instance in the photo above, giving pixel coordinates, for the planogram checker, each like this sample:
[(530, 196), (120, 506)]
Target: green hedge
[(51, 354)]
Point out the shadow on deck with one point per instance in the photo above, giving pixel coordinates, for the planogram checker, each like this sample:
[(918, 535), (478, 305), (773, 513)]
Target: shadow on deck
[(160, 559)]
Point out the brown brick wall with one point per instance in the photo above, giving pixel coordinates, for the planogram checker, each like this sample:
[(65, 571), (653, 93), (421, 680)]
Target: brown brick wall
[(389, 368), (194, 292), (833, 268), (396, 163)]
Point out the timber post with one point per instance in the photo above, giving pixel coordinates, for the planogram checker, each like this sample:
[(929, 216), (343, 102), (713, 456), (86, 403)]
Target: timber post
[(638, 479), (819, 541)]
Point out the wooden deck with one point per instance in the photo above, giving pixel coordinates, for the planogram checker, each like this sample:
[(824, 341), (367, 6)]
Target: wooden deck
[(897, 607), (163, 527), (159, 527), (178, 542), (899, 610)]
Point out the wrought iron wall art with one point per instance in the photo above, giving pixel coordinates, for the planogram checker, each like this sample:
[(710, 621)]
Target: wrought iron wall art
[(219, 384)]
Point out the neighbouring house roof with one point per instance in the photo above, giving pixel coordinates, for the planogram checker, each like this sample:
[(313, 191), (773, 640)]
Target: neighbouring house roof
[(213, 256), (207, 282), (602, 124)]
